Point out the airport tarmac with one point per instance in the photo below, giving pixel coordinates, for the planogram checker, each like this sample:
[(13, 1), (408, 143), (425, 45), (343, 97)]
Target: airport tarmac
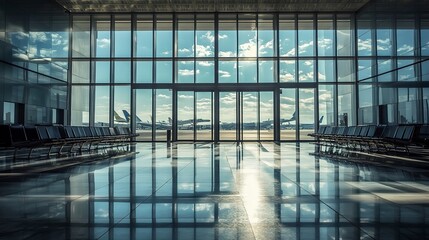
[(226, 135)]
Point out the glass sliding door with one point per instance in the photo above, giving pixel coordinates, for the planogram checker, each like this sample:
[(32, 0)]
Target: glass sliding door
[(163, 113), (227, 116), (306, 113), (144, 114), (185, 115), (249, 119), (194, 116), (266, 116), (203, 114)]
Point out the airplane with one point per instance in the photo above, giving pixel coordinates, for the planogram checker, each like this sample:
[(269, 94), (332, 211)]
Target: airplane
[(189, 124), (120, 119), (147, 125)]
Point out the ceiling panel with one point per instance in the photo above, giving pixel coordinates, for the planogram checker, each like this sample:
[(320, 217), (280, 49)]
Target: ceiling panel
[(212, 5)]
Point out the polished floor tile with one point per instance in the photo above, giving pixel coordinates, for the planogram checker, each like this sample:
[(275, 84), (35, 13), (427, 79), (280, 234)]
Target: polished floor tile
[(218, 191)]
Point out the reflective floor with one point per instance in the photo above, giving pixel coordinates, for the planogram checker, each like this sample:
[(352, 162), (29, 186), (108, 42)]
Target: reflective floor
[(218, 191)]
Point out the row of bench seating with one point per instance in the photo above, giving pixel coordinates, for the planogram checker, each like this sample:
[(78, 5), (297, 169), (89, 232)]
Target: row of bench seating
[(372, 137), (31, 137)]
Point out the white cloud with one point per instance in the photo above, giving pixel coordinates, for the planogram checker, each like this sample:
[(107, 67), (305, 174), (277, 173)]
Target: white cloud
[(186, 72), (204, 51), (186, 96), (208, 35), (226, 54), (364, 45), (103, 43), (228, 99), (184, 50), (222, 36), (248, 49), (405, 48), (325, 97), (303, 46), (287, 77), (263, 47), (163, 96), (38, 36), (308, 63), (205, 63), (325, 43), (224, 74)]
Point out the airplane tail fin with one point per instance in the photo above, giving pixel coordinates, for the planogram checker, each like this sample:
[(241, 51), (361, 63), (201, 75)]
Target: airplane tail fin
[(293, 116), (119, 118), (170, 121), (127, 115), (321, 119)]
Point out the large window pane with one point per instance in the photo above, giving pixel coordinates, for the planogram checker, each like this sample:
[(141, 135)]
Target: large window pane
[(266, 116), (227, 36), (247, 46), (122, 72), (204, 36), (326, 104), (164, 36), (121, 102), (144, 117), (81, 36), (122, 36), (102, 106), (203, 114), (287, 35), (267, 71), (185, 72), (102, 33), (227, 71), (424, 37), (364, 38), (163, 114), (345, 70), (306, 70), (227, 115), (326, 71), (185, 36), (305, 35), (249, 116), (79, 105), (287, 71), (407, 73), (344, 37), (384, 37), (287, 114), (164, 72), (102, 72), (364, 69), (346, 105), (204, 72), (144, 72), (144, 36), (407, 105), (384, 66), (325, 35), (306, 113), (405, 37), (247, 71), (80, 72), (185, 115), (266, 35)]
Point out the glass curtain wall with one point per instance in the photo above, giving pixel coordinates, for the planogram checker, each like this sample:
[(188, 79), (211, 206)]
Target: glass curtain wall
[(392, 64), (213, 77)]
